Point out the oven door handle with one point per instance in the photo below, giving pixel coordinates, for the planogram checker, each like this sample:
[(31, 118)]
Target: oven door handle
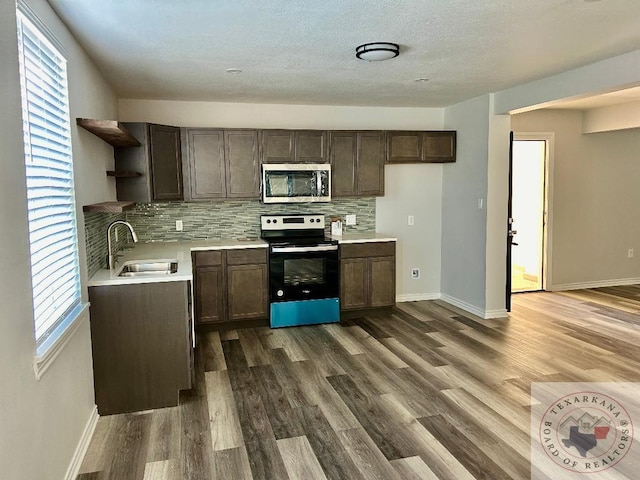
[(319, 248)]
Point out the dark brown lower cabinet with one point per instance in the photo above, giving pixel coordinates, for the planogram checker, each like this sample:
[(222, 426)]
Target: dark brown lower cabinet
[(367, 275), (231, 285), (142, 345)]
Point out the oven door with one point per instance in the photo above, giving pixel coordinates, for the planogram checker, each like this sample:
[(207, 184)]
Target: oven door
[(303, 272)]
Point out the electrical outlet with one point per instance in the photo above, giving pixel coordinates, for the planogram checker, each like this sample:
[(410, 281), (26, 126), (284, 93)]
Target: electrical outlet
[(415, 273), (350, 220), (630, 253), (410, 220), (179, 225)]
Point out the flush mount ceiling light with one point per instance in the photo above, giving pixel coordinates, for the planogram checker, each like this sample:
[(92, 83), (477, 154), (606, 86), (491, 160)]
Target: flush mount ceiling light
[(233, 70), (377, 51)]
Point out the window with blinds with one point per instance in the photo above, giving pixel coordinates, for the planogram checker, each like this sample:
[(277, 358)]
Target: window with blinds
[(50, 195)]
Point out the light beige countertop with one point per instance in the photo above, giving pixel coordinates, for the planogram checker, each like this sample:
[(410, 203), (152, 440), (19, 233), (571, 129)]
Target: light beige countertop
[(165, 252), (363, 237), (181, 252)]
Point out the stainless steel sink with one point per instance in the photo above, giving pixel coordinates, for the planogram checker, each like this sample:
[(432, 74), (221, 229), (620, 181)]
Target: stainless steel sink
[(149, 268)]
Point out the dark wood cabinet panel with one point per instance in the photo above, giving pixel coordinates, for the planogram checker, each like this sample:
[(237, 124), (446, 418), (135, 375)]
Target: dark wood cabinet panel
[(166, 162), (231, 285), (368, 275), (343, 151), (421, 147), (243, 166), (404, 147), (353, 284), (290, 146), (439, 147), (357, 163), (222, 164), (382, 281), (367, 249), (277, 146), (210, 294), (206, 167), (246, 256), (247, 292), (370, 167), (310, 146), (140, 338), (158, 161)]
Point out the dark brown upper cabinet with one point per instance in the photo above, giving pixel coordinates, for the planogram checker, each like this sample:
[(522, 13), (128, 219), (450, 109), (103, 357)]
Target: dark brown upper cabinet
[(357, 163), (221, 164), (421, 147), (152, 171), (291, 146)]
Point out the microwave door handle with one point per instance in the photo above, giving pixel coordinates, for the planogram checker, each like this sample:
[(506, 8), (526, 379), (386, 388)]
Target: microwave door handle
[(319, 248)]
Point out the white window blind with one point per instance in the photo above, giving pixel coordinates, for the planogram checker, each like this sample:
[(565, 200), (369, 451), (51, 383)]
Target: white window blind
[(49, 167)]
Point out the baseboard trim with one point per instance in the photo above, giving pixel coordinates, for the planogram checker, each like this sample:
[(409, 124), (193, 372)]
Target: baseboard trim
[(485, 314), (498, 313), (83, 445), (597, 284), (456, 302), (415, 297)]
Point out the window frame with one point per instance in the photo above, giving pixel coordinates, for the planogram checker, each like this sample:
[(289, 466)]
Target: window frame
[(67, 311)]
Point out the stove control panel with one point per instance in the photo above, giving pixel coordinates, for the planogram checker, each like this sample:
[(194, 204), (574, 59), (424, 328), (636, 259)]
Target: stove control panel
[(292, 222)]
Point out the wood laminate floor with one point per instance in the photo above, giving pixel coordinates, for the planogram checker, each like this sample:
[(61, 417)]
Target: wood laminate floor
[(422, 391)]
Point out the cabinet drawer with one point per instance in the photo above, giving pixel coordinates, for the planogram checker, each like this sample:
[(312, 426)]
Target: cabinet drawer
[(247, 256), (202, 259), (369, 249)]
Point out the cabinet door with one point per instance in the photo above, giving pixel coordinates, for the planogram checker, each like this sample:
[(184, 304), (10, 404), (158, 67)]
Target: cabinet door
[(140, 344), (382, 281), (207, 177), (210, 294), (243, 167), (166, 162), (343, 148), (404, 147), (311, 147), (439, 147), (247, 291), (277, 146), (370, 164), (353, 283)]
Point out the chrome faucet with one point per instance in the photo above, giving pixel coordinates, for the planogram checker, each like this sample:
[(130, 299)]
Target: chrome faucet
[(111, 257)]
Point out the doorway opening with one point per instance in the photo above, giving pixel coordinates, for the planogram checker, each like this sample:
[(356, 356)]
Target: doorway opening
[(529, 212)]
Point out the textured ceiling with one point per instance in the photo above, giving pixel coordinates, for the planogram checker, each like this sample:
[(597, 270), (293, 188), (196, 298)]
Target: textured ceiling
[(303, 51)]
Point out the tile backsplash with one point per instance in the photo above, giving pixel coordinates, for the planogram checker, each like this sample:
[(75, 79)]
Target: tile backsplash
[(232, 219)]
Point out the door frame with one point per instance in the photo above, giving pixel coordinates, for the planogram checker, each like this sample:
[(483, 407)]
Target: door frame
[(547, 240)]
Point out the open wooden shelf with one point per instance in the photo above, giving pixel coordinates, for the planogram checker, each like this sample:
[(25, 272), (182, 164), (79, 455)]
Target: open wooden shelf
[(123, 174), (111, 131), (109, 207)]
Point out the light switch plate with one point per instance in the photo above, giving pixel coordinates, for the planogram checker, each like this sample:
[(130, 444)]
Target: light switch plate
[(350, 219)]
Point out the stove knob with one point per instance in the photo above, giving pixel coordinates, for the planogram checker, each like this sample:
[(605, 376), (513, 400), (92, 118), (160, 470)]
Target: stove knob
[(268, 221), (280, 293), (275, 221)]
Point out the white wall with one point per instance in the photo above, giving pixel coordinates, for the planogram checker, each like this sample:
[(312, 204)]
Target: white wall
[(497, 193), (41, 422), (409, 189), (605, 76), (596, 218), (612, 117), (464, 225)]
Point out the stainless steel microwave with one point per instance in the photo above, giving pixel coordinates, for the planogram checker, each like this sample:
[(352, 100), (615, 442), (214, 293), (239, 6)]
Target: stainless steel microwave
[(296, 182)]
